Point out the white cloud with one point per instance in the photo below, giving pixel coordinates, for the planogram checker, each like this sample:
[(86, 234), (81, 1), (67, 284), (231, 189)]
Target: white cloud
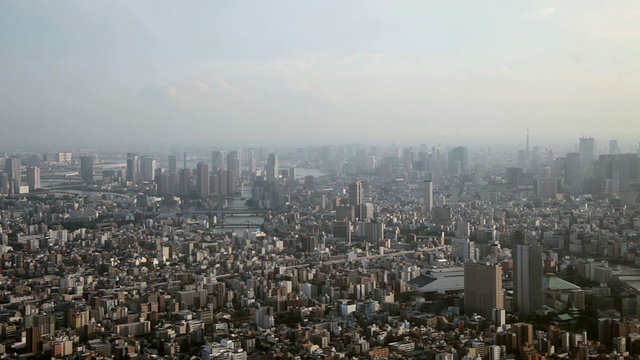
[(226, 86), (161, 92), (201, 87)]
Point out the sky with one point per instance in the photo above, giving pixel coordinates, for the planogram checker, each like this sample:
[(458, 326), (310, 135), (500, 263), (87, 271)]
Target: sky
[(225, 73)]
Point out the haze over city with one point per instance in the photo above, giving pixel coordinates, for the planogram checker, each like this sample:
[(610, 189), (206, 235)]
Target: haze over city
[(117, 73), (326, 180)]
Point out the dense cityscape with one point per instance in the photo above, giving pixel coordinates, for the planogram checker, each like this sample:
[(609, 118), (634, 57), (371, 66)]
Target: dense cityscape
[(334, 180), (327, 252)]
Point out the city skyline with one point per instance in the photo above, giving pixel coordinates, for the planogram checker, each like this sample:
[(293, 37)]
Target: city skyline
[(131, 73)]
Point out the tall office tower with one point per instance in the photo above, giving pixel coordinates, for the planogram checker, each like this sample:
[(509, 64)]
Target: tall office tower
[(12, 171), (174, 183), (133, 172), (173, 163), (4, 184), (202, 183), (355, 198), (616, 173), (427, 193), (527, 282), (524, 334), (163, 184), (547, 188), (459, 161), (185, 182), (147, 168), (482, 289), (217, 160), (572, 172), (184, 159), (272, 167), (231, 182), (86, 169), (222, 182), (252, 165), (407, 158), (33, 178), (587, 152), (213, 183), (613, 147), (233, 162)]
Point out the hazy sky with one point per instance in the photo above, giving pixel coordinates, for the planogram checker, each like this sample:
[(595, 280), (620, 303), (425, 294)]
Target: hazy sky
[(317, 72)]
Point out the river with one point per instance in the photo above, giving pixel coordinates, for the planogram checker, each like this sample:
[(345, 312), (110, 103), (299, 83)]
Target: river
[(633, 277), (238, 224)]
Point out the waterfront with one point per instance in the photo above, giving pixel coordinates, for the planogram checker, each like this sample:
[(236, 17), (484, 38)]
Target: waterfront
[(631, 275)]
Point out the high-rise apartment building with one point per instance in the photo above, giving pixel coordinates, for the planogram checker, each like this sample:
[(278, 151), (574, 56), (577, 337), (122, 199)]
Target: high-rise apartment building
[(272, 167), (147, 168), (222, 182), (133, 172), (233, 162), (427, 194), (13, 174), (482, 289), (217, 160), (174, 183), (163, 183), (202, 180), (33, 178), (86, 169), (185, 182), (231, 182), (527, 283), (355, 198)]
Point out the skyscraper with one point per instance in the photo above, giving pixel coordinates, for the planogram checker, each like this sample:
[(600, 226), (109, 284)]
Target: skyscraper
[(147, 168), (233, 162), (527, 282), (163, 184), (573, 174), (133, 172), (12, 171), (272, 167), (185, 182), (587, 153), (427, 193), (613, 147), (231, 182), (173, 164), (202, 181), (86, 169), (217, 160), (33, 178), (482, 289), (355, 198), (222, 182), (459, 161)]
